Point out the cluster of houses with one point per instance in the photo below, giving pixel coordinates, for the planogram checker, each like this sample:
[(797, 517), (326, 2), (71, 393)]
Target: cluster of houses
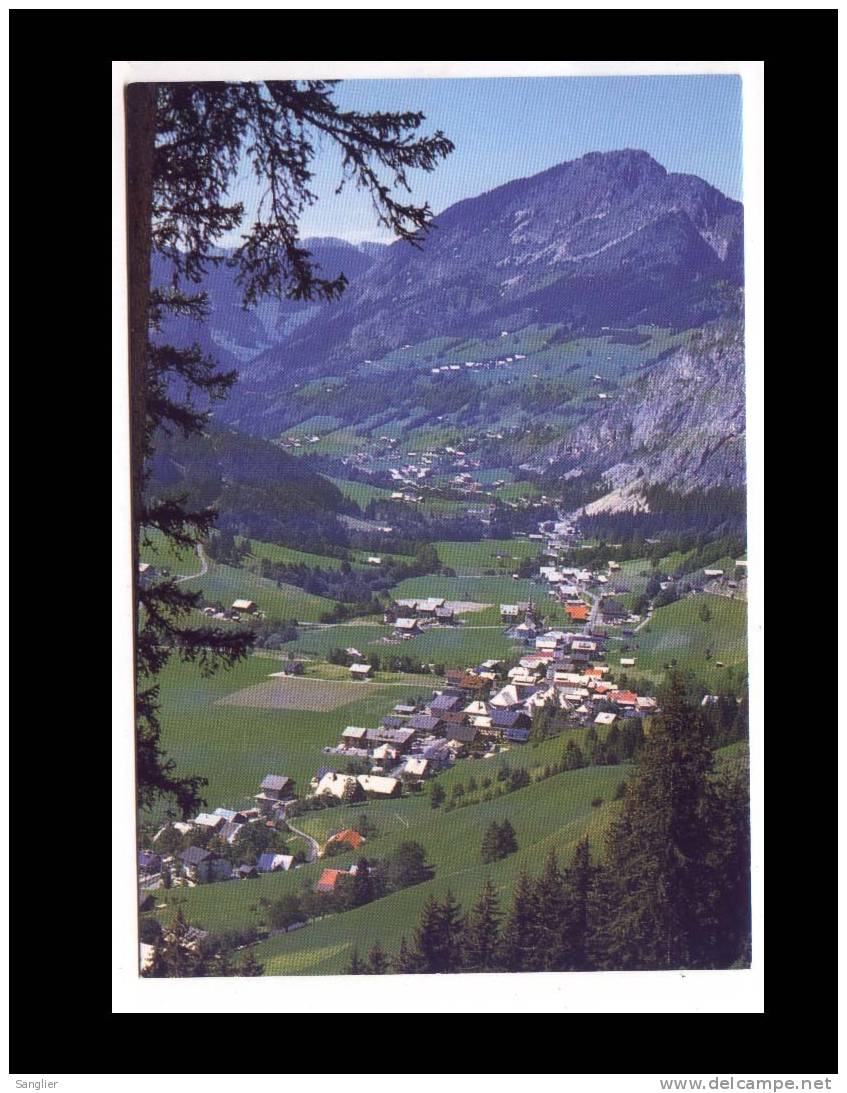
[(484, 709), (199, 865), (419, 615)]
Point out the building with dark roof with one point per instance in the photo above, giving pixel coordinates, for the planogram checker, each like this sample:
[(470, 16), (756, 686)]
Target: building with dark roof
[(423, 722), (202, 866), (510, 719), (149, 862), (465, 734), (444, 703)]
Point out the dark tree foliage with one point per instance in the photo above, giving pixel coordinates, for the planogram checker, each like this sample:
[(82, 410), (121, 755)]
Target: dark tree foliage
[(518, 944), (185, 145), (436, 942), (578, 884), (550, 916), (482, 932), (674, 855), (377, 961), (178, 955)]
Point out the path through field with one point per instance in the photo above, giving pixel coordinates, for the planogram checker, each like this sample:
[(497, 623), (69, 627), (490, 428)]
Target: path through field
[(204, 566), (314, 846)]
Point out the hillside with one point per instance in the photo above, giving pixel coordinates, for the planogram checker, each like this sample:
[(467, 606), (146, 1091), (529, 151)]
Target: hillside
[(608, 238), (258, 490), (235, 336), (682, 423), (605, 278)]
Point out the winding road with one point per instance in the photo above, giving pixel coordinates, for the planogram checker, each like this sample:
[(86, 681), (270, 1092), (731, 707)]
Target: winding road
[(314, 846)]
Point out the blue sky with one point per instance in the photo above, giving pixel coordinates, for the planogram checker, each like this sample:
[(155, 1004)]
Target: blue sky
[(506, 128)]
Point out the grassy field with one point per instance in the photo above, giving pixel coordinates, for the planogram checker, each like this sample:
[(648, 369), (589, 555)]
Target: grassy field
[(478, 589), (514, 491), (455, 647), (288, 556), (475, 558), (360, 492), (283, 555), (554, 813), (226, 584), (677, 631), (163, 554), (235, 746)]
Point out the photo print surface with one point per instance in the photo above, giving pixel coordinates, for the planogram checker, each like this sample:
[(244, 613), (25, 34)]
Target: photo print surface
[(437, 397)]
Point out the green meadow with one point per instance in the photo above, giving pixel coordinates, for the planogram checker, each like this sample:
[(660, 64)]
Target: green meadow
[(551, 814), (226, 584), (475, 558), (455, 647), (677, 632), (235, 746), (163, 554)]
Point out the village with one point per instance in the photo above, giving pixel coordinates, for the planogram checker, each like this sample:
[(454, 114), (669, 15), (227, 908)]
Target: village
[(476, 712)]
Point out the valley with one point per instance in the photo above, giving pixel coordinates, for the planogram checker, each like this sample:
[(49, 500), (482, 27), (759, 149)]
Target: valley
[(483, 523)]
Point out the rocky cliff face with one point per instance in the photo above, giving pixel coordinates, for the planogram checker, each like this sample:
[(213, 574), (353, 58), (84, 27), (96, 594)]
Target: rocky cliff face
[(681, 425)]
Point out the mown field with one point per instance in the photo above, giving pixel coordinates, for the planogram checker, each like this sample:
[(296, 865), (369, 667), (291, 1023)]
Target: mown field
[(479, 589), (360, 492), (283, 555)]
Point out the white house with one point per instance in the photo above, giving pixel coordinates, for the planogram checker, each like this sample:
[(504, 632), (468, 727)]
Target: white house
[(336, 785), (374, 783), (416, 766)]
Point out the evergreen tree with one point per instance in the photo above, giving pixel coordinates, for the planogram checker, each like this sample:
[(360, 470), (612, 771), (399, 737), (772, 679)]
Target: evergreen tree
[(408, 866), (517, 944), (481, 935), (542, 725), (550, 911), (731, 940), (656, 906), (631, 738), (175, 957), (427, 942), (507, 842), (436, 795), (593, 748), (572, 757), (491, 843), (355, 967), (185, 146), (578, 884), (377, 960), (362, 886), (407, 961)]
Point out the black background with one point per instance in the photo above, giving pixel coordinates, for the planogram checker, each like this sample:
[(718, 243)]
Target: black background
[(60, 773)]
